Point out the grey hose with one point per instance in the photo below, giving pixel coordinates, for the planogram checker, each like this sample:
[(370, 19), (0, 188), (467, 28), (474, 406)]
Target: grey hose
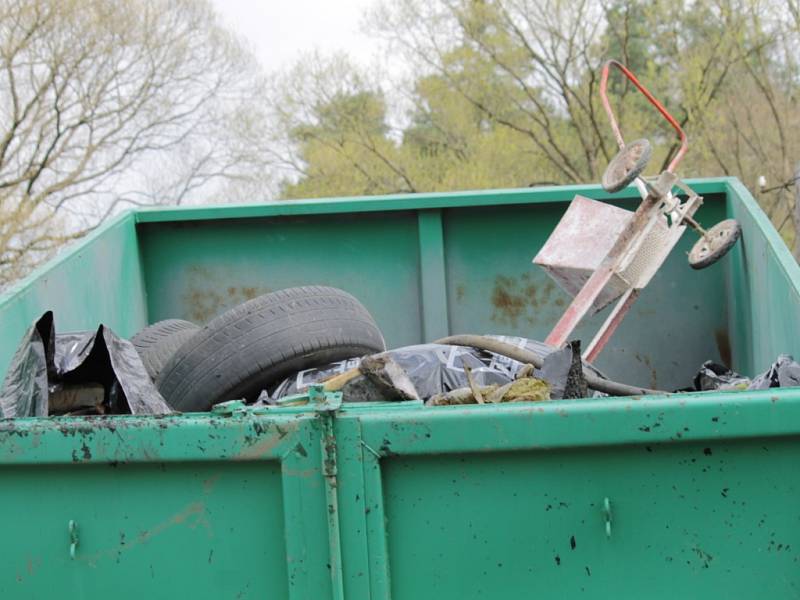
[(526, 356)]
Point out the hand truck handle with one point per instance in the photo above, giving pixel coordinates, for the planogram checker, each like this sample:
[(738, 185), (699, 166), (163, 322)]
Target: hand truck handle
[(617, 134)]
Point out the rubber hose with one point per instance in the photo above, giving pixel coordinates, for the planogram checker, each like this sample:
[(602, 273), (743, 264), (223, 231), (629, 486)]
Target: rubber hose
[(482, 342)]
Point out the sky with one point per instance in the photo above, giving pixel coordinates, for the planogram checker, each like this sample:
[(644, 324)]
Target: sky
[(280, 31)]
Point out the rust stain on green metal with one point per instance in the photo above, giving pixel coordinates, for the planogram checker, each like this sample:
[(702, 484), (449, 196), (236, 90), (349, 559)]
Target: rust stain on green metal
[(515, 298), (206, 295)]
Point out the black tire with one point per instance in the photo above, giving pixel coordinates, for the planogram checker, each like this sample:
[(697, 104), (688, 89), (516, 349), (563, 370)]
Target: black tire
[(244, 350), (157, 343)]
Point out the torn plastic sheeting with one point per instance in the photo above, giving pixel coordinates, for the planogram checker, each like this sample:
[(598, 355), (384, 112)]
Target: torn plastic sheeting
[(25, 390), (784, 372), (45, 362), (438, 369), (713, 376)]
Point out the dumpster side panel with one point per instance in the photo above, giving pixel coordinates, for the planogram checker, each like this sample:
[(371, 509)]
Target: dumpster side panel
[(99, 281), (185, 506), (532, 523), (437, 264), (653, 498), (197, 270), (764, 288), (215, 528)]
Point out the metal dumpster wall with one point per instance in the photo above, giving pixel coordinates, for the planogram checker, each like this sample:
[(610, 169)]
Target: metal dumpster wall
[(763, 288), (98, 280), (687, 496), (425, 265), (400, 501), (430, 265), (191, 506)]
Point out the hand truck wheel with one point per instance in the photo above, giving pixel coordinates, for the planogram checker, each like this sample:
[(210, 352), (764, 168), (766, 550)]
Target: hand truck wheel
[(626, 166)]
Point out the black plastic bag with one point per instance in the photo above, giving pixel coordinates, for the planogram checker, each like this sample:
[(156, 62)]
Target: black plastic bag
[(46, 363)]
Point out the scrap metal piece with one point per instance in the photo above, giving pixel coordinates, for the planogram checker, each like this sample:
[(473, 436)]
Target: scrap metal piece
[(563, 369), (377, 378), (599, 259)]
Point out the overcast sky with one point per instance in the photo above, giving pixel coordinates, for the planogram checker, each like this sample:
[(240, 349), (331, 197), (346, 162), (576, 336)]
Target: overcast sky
[(281, 31)]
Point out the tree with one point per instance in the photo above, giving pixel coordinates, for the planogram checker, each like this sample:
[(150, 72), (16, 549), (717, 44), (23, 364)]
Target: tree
[(106, 104), (340, 138), (548, 54), (503, 93), (331, 118)]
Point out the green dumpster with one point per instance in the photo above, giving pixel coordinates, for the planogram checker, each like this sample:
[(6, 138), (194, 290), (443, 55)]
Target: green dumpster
[(690, 495)]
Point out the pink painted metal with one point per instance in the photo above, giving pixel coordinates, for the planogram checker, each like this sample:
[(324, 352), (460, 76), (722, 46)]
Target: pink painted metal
[(570, 261), (611, 324), (629, 239), (660, 107), (639, 247)]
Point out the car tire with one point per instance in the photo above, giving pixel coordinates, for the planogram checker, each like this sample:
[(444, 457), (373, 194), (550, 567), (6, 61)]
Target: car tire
[(251, 346), (157, 343)]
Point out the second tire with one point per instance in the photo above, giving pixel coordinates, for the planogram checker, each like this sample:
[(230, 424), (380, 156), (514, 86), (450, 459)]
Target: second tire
[(157, 343)]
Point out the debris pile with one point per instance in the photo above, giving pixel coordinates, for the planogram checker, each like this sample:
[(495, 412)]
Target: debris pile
[(443, 374), (784, 372)]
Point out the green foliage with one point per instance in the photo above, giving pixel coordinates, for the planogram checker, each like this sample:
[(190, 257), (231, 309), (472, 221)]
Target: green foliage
[(506, 94)]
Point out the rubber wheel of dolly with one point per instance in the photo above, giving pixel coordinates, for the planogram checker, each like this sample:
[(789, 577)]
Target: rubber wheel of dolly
[(244, 350), (157, 343), (627, 165), (715, 244)]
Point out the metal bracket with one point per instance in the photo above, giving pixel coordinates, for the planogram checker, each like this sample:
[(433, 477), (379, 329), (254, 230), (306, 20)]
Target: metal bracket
[(607, 516), (315, 398), (72, 527), (326, 404), (324, 401), (230, 408)]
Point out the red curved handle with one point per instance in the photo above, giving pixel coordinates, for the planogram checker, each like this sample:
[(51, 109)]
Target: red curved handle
[(653, 101)]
